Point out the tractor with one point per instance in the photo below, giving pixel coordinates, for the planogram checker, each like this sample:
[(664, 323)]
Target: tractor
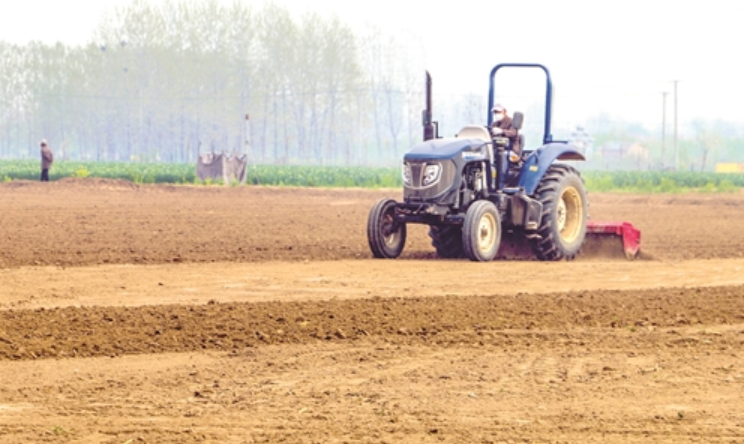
[(480, 200)]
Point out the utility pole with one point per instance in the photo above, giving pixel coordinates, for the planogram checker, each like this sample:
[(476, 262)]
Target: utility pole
[(663, 129), (248, 152), (676, 150), (247, 135)]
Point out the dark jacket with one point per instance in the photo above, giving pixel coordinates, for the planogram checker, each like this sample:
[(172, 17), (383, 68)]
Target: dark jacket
[(509, 131), (46, 157)]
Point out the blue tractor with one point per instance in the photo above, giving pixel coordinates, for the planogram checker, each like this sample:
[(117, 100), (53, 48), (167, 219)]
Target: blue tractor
[(478, 198)]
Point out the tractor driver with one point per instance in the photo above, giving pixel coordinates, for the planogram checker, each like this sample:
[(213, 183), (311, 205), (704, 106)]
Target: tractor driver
[(502, 126)]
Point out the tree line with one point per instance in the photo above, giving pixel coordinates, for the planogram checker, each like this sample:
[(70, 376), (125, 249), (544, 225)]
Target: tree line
[(169, 81), (166, 82)]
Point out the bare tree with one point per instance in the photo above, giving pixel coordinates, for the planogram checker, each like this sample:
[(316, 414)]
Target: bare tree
[(708, 140), (159, 81)]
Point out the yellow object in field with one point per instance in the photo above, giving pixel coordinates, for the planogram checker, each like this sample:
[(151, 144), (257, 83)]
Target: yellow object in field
[(730, 168)]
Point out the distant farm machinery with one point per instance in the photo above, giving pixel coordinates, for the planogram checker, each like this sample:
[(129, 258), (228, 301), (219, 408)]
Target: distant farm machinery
[(224, 167)]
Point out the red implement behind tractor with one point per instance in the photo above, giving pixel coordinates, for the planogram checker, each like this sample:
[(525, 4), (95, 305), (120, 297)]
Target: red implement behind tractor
[(604, 237)]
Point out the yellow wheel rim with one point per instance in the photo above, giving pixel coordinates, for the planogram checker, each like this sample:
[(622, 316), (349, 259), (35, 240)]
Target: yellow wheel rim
[(486, 232), (570, 214)]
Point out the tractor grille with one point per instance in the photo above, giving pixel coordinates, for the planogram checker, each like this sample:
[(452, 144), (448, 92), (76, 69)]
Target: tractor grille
[(417, 190), (417, 173)]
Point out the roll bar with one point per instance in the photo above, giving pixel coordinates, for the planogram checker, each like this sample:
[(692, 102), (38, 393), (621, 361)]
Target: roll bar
[(547, 136)]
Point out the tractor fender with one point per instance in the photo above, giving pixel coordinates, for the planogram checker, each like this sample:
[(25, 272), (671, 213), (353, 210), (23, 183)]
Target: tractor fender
[(538, 162)]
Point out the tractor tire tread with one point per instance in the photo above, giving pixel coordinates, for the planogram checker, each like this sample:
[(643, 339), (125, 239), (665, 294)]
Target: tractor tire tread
[(447, 240), (545, 245), (374, 235)]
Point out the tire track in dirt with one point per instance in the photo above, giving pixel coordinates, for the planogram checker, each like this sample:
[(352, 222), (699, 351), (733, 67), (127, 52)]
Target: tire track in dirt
[(522, 318)]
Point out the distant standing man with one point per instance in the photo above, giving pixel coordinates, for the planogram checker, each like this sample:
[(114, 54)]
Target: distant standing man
[(46, 160)]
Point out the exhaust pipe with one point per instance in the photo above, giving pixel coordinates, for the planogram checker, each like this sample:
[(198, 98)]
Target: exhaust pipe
[(426, 114)]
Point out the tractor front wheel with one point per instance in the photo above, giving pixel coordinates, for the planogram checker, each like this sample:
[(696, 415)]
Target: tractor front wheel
[(481, 231), (386, 236)]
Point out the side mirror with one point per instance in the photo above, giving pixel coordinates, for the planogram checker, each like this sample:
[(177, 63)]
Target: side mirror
[(517, 120)]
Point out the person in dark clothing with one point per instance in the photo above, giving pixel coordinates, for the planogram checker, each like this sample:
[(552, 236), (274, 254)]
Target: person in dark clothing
[(502, 126), (46, 161)]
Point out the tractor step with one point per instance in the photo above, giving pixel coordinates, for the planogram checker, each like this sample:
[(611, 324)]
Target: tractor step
[(602, 236)]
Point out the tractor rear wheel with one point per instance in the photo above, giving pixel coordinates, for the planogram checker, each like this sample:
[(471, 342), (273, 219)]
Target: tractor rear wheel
[(386, 236), (481, 231), (447, 239), (565, 212)]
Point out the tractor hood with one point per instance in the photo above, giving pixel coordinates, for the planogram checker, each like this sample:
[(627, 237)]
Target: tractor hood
[(443, 149)]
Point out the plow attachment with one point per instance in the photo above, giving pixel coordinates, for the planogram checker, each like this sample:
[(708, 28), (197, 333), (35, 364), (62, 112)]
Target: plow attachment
[(609, 240), (612, 239)]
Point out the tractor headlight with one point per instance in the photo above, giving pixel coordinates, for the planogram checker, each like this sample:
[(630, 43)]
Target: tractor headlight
[(406, 173), (432, 174)]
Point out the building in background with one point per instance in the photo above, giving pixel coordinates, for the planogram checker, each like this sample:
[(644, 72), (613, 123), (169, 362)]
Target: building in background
[(583, 141)]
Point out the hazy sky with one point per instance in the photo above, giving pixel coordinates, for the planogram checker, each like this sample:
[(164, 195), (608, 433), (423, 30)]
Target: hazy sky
[(611, 56)]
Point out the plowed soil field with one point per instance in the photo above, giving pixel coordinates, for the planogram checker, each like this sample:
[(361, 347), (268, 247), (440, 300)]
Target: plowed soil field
[(175, 314)]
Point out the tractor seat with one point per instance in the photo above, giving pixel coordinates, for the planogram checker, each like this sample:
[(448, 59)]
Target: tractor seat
[(474, 132)]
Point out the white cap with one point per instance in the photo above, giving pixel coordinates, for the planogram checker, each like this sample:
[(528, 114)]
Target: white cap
[(43, 142), (498, 107)]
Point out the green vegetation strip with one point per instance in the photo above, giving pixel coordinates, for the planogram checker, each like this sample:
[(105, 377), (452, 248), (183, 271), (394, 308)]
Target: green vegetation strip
[(662, 182), (364, 177), (181, 173)]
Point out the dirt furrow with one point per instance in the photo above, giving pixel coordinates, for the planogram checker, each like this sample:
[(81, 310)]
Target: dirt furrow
[(112, 331)]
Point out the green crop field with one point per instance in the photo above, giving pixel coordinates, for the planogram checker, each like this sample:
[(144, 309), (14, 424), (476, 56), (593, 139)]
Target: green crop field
[(662, 182), (363, 177), (309, 176)]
